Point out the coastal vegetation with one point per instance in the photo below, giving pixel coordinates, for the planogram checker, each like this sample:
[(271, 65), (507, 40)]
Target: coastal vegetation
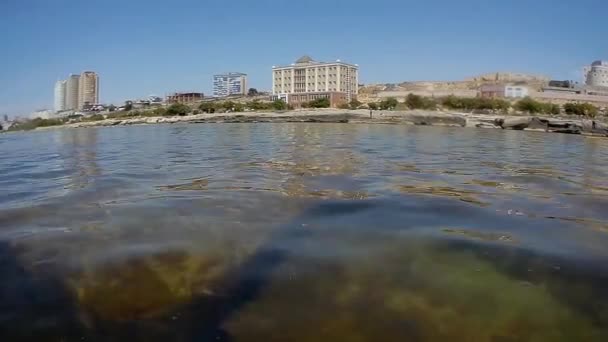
[(412, 102), (526, 105), (470, 104), (35, 123), (529, 105), (581, 109), (210, 107), (318, 103)]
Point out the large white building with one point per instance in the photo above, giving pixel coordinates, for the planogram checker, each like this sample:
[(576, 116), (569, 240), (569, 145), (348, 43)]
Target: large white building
[(514, 91), (309, 76), (60, 92), (232, 83), (596, 75)]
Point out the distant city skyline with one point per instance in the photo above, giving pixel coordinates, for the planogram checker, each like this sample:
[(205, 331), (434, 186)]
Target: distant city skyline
[(76, 92), (393, 41)]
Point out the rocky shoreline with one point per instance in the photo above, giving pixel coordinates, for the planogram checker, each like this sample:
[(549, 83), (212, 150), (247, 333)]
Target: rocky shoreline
[(421, 118)]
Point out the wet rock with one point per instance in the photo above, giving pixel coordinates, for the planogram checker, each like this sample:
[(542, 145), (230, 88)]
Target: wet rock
[(517, 124)]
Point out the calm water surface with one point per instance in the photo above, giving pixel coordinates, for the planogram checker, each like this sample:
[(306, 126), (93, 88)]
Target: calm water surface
[(302, 232)]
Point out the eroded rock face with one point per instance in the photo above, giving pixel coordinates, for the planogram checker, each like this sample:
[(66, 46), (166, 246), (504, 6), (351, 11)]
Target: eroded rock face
[(553, 125)]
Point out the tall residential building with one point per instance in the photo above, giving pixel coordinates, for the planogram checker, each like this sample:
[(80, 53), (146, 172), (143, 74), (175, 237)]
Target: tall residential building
[(597, 74), (232, 83), (319, 79), (88, 89), (71, 92), (60, 92)]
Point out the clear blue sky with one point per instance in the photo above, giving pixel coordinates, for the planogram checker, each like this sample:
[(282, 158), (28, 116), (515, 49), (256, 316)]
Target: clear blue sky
[(142, 47)]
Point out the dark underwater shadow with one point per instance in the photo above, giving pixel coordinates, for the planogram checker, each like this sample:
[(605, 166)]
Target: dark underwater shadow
[(34, 307)]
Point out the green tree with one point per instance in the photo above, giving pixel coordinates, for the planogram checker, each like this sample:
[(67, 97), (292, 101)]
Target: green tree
[(389, 103), (354, 104), (419, 102), (128, 106), (178, 109), (207, 107), (582, 109), (252, 92), (279, 105), (372, 106), (319, 103), (529, 105)]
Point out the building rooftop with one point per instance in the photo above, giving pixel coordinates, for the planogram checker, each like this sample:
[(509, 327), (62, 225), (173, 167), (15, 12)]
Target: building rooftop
[(307, 60), (304, 59)]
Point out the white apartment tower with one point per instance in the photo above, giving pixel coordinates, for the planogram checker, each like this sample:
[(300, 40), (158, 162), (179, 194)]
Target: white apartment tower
[(60, 92), (232, 83), (309, 76)]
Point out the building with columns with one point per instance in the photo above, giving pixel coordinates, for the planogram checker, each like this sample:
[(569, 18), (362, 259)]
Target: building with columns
[(334, 80)]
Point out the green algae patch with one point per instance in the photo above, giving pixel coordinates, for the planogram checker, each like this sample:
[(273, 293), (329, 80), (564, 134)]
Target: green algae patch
[(482, 236), (407, 293), (147, 287), (443, 191), (197, 184)]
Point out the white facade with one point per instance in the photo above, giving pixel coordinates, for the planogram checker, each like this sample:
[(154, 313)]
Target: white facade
[(233, 83), (60, 92), (596, 75), (516, 91), (308, 76)]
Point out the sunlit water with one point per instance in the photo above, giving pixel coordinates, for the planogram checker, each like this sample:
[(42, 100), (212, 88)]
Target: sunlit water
[(303, 232)]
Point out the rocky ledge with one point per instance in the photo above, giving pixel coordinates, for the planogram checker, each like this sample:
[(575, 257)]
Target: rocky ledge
[(420, 118)]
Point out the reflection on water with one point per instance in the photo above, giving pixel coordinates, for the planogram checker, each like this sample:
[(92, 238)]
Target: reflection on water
[(303, 232)]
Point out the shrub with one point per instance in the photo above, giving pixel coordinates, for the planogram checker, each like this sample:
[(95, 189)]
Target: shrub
[(344, 106), (389, 103), (419, 102), (279, 105), (582, 109), (177, 109), (207, 107), (529, 105), (354, 104), (259, 105), (319, 103), (372, 106), (35, 123), (94, 117)]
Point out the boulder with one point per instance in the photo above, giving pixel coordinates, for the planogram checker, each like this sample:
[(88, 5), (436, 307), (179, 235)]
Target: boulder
[(517, 124)]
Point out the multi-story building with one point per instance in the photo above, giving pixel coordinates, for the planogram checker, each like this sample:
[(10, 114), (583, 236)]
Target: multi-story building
[(516, 91), (320, 79), (596, 75), (188, 97), (232, 83), (88, 89), (60, 92), (501, 91), (71, 92)]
